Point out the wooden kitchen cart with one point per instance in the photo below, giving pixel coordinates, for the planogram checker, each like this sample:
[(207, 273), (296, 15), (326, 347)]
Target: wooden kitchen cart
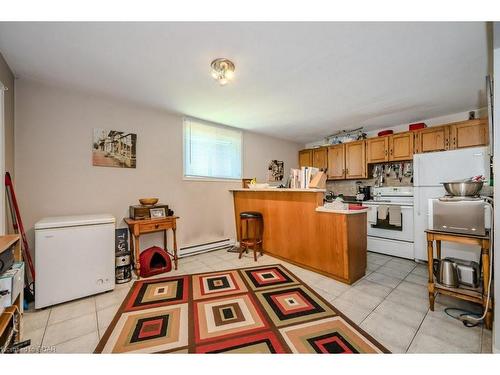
[(473, 295), (11, 243), (139, 227)]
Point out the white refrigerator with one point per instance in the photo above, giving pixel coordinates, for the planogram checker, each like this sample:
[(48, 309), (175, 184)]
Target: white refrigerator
[(74, 257), (429, 170)]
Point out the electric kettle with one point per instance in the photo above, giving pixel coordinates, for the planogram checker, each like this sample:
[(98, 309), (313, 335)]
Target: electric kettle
[(446, 272)]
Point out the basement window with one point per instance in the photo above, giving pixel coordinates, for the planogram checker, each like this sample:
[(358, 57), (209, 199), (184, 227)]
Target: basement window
[(211, 151)]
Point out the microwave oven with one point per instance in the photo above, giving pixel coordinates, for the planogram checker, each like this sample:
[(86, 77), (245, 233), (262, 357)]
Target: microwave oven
[(466, 216)]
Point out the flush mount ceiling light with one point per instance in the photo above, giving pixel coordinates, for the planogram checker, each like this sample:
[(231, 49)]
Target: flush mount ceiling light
[(222, 70)]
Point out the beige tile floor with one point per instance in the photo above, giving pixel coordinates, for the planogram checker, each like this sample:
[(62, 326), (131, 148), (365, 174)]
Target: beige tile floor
[(390, 303)]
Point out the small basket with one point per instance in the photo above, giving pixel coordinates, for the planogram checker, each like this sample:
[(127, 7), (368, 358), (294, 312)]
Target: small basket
[(148, 201)]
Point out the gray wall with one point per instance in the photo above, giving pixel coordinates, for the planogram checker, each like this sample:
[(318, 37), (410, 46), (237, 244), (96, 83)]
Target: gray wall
[(54, 175), (7, 78)]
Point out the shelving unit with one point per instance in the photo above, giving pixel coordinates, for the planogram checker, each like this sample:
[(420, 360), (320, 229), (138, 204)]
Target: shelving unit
[(11, 243), (478, 295)]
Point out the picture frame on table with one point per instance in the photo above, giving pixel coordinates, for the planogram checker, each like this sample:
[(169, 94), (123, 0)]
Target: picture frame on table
[(157, 213)]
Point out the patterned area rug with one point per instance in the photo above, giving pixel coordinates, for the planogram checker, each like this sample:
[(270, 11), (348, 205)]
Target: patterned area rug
[(263, 309)]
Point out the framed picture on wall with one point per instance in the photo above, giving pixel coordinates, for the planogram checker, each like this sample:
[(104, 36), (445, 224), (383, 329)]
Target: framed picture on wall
[(275, 170), (156, 213), (112, 148)]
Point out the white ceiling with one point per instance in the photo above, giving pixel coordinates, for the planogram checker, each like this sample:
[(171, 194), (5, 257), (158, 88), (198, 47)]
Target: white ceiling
[(298, 81)]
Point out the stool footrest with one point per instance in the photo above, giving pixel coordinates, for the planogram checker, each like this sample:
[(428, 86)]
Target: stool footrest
[(250, 241)]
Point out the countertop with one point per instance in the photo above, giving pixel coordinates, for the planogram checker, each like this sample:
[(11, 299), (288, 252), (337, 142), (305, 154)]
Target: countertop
[(295, 225), (282, 190), (345, 212)]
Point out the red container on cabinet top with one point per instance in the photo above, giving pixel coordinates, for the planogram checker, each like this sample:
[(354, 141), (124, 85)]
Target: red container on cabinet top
[(385, 132), (418, 125)]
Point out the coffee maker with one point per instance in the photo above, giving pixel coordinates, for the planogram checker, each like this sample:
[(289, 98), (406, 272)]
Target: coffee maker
[(123, 267), (364, 193)]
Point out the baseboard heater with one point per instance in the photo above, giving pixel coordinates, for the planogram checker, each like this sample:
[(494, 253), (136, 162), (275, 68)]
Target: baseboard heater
[(203, 248)]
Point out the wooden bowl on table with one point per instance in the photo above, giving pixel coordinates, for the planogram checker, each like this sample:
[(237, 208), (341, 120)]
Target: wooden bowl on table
[(148, 201)]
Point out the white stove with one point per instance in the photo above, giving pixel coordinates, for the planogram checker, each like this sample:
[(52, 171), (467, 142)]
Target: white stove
[(390, 221), (393, 193)]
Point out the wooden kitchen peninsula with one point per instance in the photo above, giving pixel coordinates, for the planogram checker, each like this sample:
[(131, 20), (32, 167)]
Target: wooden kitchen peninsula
[(332, 243)]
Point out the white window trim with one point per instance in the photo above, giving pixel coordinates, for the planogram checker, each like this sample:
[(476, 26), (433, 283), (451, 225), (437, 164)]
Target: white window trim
[(2, 158), (209, 179)]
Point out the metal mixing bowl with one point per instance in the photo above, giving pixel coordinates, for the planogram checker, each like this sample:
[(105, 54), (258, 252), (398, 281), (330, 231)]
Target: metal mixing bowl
[(463, 189)]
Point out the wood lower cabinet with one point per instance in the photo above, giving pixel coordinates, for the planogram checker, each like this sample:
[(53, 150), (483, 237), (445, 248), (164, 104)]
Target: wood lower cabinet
[(305, 158), (470, 133), (355, 160), (432, 139), (401, 146), (377, 150), (336, 162), (320, 158), (332, 244)]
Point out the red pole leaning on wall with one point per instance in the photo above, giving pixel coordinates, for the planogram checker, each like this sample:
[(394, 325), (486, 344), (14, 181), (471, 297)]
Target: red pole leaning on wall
[(17, 223)]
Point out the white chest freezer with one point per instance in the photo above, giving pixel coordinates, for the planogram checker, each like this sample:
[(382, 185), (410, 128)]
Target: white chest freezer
[(74, 257)]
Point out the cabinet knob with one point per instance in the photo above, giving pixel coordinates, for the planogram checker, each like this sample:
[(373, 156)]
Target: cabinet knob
[(157, 225)]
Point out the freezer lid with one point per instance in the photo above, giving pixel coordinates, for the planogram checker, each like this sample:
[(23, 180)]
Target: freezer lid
[(430, 169), (72, 221)]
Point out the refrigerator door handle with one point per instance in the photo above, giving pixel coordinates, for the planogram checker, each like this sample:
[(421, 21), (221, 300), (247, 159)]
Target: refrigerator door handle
[(417, 168), (417, 203)]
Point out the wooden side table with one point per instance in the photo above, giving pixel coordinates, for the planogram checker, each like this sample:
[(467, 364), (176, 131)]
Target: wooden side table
[(138, 227), (478, 296)]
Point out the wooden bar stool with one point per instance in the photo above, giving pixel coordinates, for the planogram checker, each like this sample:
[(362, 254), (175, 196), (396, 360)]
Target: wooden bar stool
[(254, 221)]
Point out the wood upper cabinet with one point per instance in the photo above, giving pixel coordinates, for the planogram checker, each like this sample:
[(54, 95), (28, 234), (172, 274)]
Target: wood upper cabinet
[(432, 139), (347, 161), (336, 162), (401, 146), (469, 133), (305, 158), (355, 160), (320, 158), (377, 150)]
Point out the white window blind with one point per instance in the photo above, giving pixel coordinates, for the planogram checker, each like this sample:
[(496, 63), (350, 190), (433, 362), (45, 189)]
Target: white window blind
[(211, 151)]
